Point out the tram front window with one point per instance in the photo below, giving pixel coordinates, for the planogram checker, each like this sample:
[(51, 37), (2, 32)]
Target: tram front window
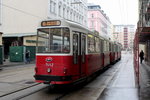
[(53, 40)]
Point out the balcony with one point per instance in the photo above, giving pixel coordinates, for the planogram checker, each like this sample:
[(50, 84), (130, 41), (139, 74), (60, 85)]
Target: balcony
[(148, 7), (143, 29)]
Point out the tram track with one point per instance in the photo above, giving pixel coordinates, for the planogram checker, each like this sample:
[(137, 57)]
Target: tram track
[(28, 94), (62, 95), (58, 96), (18, 90), (28, 91)]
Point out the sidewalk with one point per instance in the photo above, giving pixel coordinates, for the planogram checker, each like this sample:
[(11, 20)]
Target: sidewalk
[(144, 82), (7, 63), (16, 77), (123, 85)]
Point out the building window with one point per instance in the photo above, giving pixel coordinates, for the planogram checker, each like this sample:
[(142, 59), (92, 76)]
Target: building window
[(63, 12), (92, 24), (77, 17), (74, 16), (51, 6), (71, 15), (54, 8), (59, 10), (92, 15), (67, 14), (82, 20)]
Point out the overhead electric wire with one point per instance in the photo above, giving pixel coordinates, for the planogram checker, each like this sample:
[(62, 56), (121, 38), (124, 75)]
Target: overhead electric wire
[(124, 11), (127, 10), (21, 11), (121, 11)]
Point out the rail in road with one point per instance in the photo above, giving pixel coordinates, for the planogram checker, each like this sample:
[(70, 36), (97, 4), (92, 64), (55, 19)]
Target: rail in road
[(90, 91)]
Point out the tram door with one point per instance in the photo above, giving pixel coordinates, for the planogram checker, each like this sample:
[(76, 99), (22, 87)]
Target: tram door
[(79, 51)]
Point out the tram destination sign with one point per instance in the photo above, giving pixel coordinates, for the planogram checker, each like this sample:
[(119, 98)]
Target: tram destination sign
[(50, 23)]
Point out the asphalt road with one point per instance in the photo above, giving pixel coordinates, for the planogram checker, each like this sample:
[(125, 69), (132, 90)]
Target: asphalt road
[(116, 83)]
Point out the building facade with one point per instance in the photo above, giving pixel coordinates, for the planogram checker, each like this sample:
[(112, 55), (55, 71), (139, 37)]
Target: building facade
[(24, 16), (142, 36), (97, 20), (74, 10), (124, 34)]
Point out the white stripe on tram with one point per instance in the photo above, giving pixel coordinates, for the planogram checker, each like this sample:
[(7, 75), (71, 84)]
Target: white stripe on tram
[(41, 54)]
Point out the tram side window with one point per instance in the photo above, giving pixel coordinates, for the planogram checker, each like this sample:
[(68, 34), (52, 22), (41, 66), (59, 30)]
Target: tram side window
[(83, 47), (110, 47), (118, 48), (104, 46), (66, 38), (91, 43), (107, 46), (115, 48), (75, 48), (97, 44)]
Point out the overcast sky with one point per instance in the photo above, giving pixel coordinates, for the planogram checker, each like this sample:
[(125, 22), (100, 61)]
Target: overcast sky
[(119, 11)]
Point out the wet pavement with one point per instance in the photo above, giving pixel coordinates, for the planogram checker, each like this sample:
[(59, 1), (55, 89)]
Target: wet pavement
[(116, 83), (144, 82), (122, 86), (16, 78)]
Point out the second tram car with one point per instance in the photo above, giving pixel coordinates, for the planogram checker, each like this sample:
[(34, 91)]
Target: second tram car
[(68, 52)]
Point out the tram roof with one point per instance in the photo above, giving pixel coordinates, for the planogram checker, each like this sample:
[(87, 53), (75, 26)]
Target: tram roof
[(68, 23), (65, 23)]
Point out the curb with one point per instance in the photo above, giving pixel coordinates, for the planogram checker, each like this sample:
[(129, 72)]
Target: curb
[(14, 64)]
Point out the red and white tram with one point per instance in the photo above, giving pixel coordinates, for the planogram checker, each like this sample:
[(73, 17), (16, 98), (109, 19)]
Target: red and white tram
[(68, 52)]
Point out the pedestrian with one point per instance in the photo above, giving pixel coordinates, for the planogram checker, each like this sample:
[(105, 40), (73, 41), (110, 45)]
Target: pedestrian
[(141, 56), (27, 56)]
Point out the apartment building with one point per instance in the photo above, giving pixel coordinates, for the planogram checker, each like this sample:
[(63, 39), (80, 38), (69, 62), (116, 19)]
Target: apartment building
[(19, 19), (124, 34), (74, 10), (97, 20), (23, 16), (142, 36)]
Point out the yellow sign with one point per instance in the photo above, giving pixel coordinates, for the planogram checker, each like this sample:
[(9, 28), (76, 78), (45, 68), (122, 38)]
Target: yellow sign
[(50, 23)]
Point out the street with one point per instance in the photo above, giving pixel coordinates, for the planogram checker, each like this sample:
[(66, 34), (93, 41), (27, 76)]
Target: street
[(116, 83)]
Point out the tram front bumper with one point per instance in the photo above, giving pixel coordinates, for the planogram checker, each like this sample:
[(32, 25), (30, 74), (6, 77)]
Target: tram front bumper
[(49, 78)]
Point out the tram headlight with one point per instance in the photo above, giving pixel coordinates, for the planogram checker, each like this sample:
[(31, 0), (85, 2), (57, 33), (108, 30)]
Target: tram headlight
[(48, 70), (65, 70)]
